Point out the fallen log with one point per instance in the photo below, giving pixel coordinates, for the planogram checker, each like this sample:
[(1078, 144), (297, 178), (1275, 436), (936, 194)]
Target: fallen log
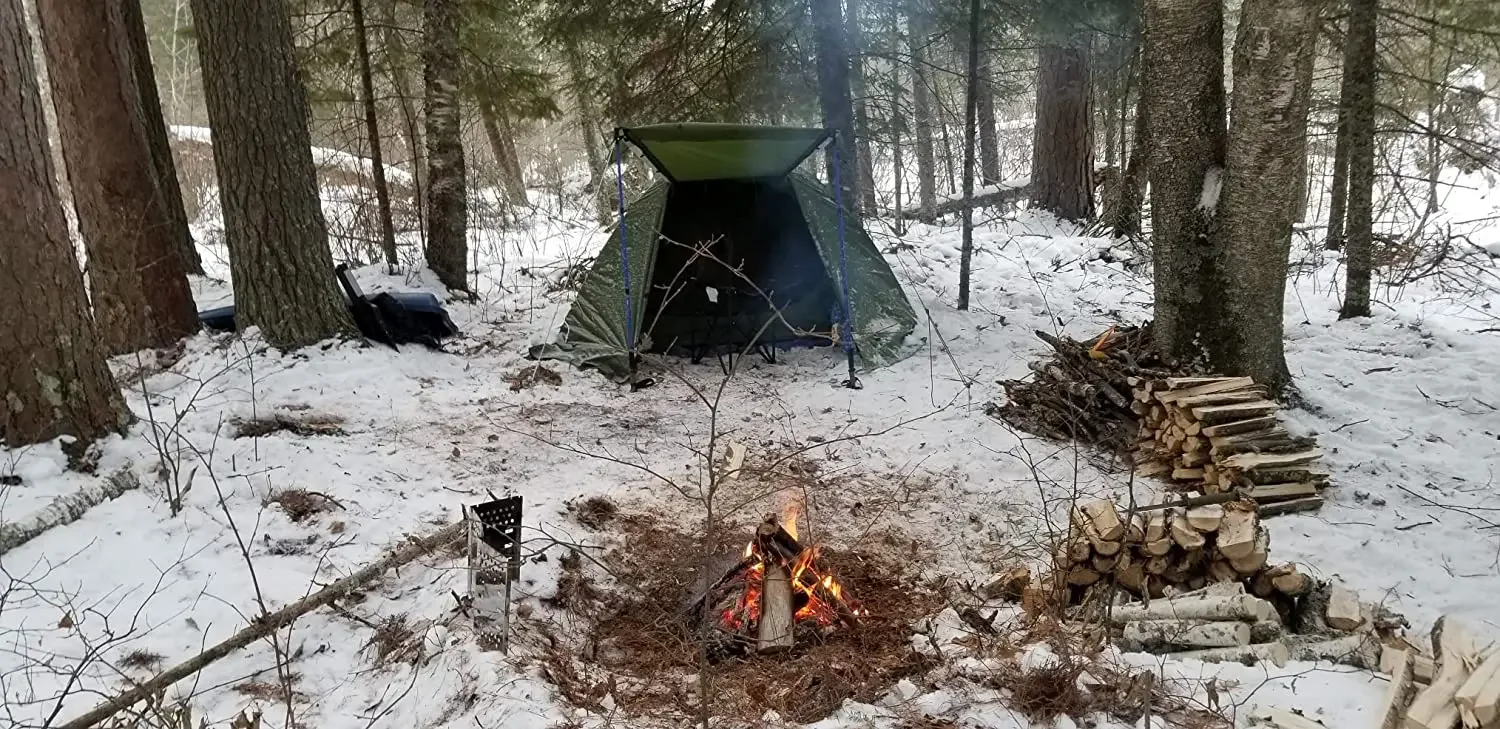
[(1156, 636), (66, 509), (1237, 607), (1277, 653), (267, 624)]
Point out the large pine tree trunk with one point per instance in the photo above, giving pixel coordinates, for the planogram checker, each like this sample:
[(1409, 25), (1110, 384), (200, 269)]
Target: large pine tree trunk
[(835, 98), (1266, 137), (140, 292), (273, 222), (53, 377), (1183, 99), (1359, 113), (862, 146), (922, 112), (1062, 162), (971, 110), (447, 205), (503, 144), (372, 134), (179, 235)]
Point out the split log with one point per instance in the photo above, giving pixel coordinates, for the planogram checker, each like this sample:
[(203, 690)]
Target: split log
[(1238, 532), (267, 624), (1157, 636), (1184, 534), (1205, 518), (1311, 503), (66, 509), (1100, 516), (1180, 391), (1288, 581), (1234, 427), (1343, 608), (1252, 563), (1277, 653), (1239, 607), (1454, 652), (1082, 576), (1421, 665), (1478, 699), (1281, 491), (1398, 694), (1238, 411), (774, 628), (1252, 461)]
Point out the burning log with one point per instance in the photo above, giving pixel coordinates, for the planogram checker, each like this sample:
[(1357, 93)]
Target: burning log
[(776, 616)]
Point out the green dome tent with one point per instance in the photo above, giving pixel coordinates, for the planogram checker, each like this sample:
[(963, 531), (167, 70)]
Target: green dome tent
[(734, 249)]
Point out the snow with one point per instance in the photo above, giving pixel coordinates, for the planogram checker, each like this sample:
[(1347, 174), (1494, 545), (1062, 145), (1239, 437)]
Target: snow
[(323, 157), (1213, 185), (1404, 405)]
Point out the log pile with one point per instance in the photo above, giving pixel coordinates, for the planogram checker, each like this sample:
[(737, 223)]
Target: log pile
[(1458, 684), (1167, 548), (1083, 391), (1222, 435)]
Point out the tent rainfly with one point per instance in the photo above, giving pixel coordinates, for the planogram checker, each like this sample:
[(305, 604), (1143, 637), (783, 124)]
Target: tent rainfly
[(733, 249)]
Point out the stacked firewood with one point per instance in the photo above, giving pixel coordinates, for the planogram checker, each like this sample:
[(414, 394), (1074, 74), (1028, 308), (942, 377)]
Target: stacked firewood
[(1083, 391), (1173, 548), (1222, 435)]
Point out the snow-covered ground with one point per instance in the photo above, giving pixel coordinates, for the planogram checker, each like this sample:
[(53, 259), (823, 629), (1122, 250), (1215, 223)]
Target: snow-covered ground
[(1405, 404)]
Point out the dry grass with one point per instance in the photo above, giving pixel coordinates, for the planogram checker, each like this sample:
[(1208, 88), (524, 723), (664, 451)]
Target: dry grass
[(143, 660), (531, 376), (304, 424), (301, 504), (396, 640), (594, 512), (267, 691), (640, 648)]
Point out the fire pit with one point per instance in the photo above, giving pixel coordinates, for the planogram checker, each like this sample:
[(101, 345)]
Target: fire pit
[(775, 596)]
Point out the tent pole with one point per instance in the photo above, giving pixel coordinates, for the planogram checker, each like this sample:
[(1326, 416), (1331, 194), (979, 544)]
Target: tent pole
[(847, 337), (630, 353)]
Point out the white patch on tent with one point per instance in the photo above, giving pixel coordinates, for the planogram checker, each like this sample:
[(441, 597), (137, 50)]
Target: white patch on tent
[(713, 294), (1213, 184)]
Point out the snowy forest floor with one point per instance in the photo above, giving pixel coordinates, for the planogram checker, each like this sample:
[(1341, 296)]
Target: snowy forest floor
[(1406, 406)]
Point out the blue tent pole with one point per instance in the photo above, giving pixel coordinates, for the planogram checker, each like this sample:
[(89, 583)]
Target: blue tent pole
[(625, 256), (848, 329)]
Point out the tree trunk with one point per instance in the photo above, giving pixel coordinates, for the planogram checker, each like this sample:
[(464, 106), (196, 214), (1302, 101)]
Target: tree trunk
[(1306, 66), (447, 205), (1359, 113), (273, 223), (1338, 196), (1267, 134), (395, 45), (922, 111), (898, 127), (53, 377), (989, 142), (140, 292), (588, 118), (1183, 99), (971, 110), (862, 147), (1062, 162), (1125, 219), (502, 142), (372, 133), (834, 98), (179, 235)]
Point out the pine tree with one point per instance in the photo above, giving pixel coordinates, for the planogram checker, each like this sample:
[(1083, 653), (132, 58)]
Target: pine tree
[(835, 97), (372, 134), (139, 289), (1358, 109), (1062, 163), (53, 377), (273, 223)]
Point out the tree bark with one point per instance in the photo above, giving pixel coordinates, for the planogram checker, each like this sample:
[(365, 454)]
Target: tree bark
[(922, 111), (1125, 219), (834, 98), (588, 119), (273, 223), (140, 292), (179, 235), (447, 206), (372, 133), (395, 46), (862, 146), (502, 139), (1359, 113), (1267, 134), (971, 110), (1338, 196), (1062, 166), (1183, 99), (53, 377)]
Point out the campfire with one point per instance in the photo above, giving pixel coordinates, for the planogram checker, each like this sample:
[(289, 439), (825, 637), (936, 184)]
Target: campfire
[(775, 596)]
